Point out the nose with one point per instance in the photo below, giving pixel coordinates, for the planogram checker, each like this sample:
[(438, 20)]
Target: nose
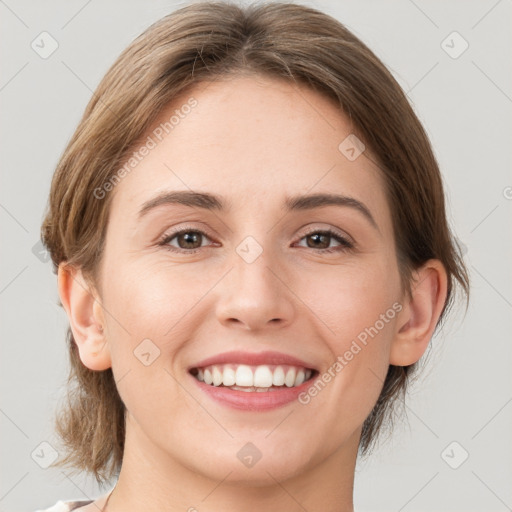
[(255, 296)]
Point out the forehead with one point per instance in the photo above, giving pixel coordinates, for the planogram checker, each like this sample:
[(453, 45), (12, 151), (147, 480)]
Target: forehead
[(253, 140)]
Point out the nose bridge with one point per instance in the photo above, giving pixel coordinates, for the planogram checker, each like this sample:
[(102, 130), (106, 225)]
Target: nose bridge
[(254, 293), (253, 267)]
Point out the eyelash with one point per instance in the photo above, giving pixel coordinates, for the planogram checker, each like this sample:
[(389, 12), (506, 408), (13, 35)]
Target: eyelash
[(345, 245)]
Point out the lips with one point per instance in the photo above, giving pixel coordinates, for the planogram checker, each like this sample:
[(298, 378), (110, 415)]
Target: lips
[(253, 381), (253, 358)]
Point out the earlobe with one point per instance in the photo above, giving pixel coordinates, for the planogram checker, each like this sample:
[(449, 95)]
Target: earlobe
[(85, 317), (418, 319)]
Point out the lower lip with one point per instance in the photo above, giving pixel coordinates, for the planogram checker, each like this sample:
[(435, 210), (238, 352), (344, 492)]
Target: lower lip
[(253, 400)]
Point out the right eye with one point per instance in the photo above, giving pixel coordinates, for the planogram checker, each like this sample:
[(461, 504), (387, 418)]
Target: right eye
[(186, 238)]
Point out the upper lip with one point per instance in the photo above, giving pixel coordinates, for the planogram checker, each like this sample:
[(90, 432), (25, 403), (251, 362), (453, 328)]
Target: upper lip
[(252, 358)]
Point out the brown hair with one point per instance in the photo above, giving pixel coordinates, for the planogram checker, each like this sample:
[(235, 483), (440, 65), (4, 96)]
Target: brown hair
[(204, 41)]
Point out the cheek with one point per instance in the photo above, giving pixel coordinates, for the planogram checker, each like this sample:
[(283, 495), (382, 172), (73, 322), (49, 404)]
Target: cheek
[(150, 302), (146, 310), (351, 297), (152, 315), (358, 309), (157, 301)]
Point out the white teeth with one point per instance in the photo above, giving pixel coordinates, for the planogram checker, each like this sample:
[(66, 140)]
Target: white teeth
[(229, 376), (262, 377), (253, 378), (208, 379), (299, 379), (217, 376), (278, 377), (252, 389), (289, 380), (244, 376)]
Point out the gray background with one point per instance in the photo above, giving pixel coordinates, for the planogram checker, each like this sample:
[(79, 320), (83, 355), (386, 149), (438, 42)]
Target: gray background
[(465, 392)]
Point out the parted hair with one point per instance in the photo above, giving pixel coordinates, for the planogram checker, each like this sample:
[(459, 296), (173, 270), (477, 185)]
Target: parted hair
[(201, 42)]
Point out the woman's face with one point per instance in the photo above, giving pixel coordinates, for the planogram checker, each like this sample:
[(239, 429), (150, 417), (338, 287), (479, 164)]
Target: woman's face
[(255, 278)]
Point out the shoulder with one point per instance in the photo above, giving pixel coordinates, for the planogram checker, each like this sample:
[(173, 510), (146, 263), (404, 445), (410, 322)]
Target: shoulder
[(69, 505), (65, 506)]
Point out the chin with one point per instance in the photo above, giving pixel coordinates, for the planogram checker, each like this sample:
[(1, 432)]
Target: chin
[(255, 463)]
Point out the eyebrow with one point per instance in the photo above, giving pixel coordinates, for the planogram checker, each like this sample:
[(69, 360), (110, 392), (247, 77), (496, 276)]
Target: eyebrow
[(208, 201)]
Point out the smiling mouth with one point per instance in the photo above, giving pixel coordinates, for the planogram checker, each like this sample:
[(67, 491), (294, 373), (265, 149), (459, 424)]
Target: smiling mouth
[(260, 378)]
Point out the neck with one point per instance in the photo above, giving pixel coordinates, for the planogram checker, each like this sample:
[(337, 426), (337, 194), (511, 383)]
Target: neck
[(151, 480)]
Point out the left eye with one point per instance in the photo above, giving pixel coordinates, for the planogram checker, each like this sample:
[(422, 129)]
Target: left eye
[(188, 240), (319, 238), (188, 237)]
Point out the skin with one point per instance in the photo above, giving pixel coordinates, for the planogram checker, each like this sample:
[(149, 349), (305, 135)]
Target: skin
[(255, 141)]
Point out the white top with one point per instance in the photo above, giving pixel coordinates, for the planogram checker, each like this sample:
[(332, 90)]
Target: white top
[(66, 506)]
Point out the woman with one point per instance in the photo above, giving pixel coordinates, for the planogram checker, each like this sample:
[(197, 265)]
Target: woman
[(251, 243)]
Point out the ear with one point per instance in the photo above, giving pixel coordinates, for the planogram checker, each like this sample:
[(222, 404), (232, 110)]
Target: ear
[(86, 318), (418, 319)]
